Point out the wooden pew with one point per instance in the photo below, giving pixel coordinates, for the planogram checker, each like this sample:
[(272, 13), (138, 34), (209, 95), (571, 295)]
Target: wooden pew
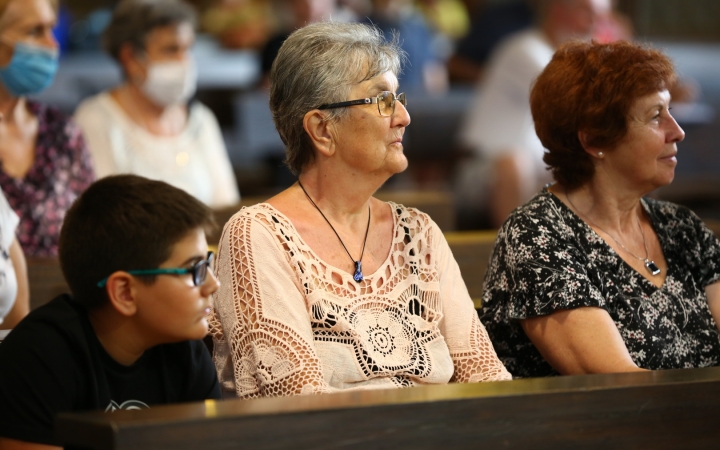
[(664, 409), (472, 250), (45, 279), (439, 205), (714, 226)]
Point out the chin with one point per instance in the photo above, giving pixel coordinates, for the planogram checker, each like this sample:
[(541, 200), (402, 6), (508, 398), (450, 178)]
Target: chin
[(400, 165)]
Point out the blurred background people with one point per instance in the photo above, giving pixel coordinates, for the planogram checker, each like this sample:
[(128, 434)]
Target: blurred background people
[(294, 14), (425, 68), (507, 167), (14, 292), (240, 23), (491, 23), (145, 126), (45, 163)]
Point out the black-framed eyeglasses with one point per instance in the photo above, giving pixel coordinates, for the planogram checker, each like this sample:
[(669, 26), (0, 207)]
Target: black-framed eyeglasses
[(199, 271), (385, 101)]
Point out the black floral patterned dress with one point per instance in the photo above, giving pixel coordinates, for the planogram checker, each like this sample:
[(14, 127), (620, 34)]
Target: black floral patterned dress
[(546, 259)]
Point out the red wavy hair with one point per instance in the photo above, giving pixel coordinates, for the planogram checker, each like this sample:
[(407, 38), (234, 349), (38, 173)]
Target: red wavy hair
[(590, 87)]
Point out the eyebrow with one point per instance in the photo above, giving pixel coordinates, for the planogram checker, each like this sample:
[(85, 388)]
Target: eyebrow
[(192, 260), (380, 87)]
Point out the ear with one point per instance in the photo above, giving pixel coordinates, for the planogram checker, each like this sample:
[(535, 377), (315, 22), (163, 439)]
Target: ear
[(320, 131), (584, 139), (121, 292), (130, 64)]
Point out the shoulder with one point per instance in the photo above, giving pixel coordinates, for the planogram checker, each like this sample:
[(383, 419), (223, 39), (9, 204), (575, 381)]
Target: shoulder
[(411, 218), (260, 212), (542, 210), (676, 220), (55, 128), (201, 114), (668, 213), (51, 336), (8, 221), (49, 117), (93, 107), (526, 43), (260, 220), (60, 316)]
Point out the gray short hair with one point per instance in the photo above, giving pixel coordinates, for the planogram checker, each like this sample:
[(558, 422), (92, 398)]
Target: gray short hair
[(319, 64), (133, 20)]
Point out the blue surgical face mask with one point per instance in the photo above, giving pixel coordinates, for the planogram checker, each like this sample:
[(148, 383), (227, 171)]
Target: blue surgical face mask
[(31, 69)]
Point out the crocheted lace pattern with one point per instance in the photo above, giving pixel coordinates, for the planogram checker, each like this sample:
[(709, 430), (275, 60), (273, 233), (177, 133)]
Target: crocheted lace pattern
[(284, 322)]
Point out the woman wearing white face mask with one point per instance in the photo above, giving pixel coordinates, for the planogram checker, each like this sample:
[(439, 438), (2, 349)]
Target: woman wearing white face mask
[(145, 126)]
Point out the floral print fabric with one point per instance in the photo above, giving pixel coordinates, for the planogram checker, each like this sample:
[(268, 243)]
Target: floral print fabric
[(61, 171), (547, 259)]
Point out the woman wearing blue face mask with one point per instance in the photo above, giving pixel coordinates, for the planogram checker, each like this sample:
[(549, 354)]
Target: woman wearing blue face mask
[(44, 161), (145, 126)]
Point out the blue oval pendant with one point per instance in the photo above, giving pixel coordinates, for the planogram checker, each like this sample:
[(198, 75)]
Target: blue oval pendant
[(358, 275)]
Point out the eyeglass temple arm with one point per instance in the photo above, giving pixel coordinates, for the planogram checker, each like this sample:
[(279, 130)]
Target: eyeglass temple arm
[(171, 271), (362, 101)]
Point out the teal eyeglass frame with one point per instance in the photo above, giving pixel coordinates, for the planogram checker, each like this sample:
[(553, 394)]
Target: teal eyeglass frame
[(199, 271)]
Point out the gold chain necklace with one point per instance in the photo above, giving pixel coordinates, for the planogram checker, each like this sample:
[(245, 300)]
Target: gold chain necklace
[(649, 264)]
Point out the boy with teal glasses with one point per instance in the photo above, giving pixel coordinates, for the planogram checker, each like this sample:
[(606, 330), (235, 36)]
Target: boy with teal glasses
[(134, 254)]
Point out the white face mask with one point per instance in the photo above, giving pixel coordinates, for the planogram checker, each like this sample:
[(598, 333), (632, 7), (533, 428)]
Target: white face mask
[(171, 82)]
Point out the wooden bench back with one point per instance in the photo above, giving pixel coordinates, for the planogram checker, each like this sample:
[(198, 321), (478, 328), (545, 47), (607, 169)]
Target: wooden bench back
[(472, 251), (714, 226), (439, 205), (45, 279)]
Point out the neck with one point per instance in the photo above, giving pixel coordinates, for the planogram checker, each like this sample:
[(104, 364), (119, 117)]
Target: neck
[(609, 208), (12, 108), (156, 119), (143, 104), (343, 199), (117, 335)]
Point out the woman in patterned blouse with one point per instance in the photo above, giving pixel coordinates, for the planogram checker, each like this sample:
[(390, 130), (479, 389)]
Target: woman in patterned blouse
[(45, 164), (589, 276), (325, 288)]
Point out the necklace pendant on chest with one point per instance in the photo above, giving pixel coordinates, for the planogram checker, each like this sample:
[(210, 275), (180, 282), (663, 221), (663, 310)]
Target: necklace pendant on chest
[(652, 267), (358, 275)]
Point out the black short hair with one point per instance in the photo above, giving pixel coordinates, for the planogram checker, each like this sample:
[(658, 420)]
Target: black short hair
[(124, 222)]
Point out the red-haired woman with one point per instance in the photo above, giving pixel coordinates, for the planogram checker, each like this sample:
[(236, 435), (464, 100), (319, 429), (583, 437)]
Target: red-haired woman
[(590, 277)]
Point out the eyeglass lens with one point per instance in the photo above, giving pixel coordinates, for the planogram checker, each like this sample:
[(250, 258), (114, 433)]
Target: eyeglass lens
[(200, 273), (200, 270), (386, 102)]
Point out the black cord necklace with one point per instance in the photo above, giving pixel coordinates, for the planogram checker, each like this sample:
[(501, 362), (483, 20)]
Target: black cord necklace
[(358, 275)]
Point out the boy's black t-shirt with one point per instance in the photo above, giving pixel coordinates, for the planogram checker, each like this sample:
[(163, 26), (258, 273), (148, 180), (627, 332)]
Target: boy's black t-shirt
[(53, 362)]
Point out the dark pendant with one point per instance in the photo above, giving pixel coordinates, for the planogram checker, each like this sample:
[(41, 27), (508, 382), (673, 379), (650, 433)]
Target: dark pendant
[(652, 267), (358, 275)]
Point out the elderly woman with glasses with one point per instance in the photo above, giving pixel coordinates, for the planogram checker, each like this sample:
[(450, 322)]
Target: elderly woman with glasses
[(324, 287)]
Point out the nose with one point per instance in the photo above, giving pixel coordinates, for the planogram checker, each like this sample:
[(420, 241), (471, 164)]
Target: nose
[(675, 133), (401, 116), (211, 284), (48, 39)]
